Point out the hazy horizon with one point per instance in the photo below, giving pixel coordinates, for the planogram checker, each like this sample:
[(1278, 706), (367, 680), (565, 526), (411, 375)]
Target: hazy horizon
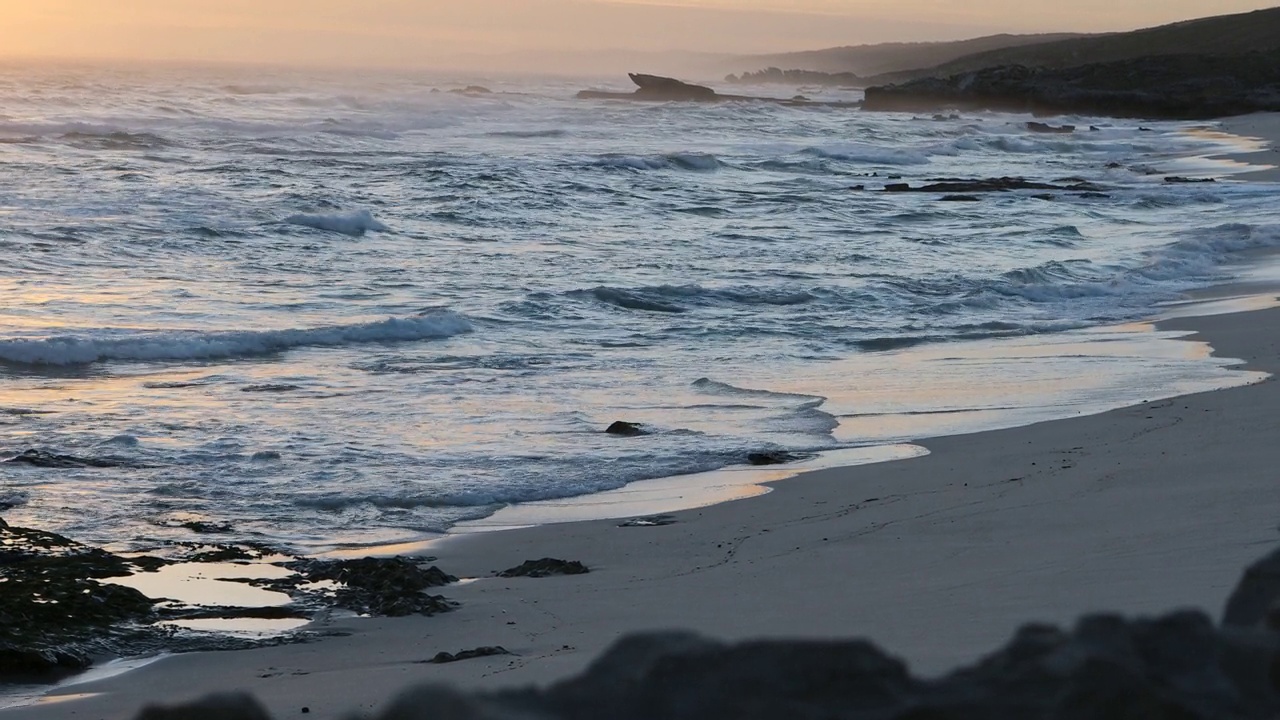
[(531, 34)]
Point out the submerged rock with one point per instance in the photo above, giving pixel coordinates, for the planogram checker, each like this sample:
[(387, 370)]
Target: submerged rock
[(773, 457), (46, 459), (546, 567), (1001, 184)]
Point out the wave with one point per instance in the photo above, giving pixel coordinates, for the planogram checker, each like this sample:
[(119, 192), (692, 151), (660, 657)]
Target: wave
[(666, 298), (865, 153), (194, 345), (355, 223), (695, 162)]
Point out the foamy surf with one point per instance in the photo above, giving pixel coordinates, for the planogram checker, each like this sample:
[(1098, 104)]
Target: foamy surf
[(194, 345), (355, 223)]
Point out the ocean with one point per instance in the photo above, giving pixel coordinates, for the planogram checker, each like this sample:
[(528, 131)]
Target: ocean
[(323, 309)]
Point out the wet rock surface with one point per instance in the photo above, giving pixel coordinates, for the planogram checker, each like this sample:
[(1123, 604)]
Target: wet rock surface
[(445, 657), (773, 457), (1177, 87), (546, 567), (391, 587), (626, 429), (46, 459), (55, 614), (60, 612)]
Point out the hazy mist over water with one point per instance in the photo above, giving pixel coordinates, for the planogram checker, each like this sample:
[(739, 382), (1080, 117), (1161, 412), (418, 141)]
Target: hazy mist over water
[(561, 36)]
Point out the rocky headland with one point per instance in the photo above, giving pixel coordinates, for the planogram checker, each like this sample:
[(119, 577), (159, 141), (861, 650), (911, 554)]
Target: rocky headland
[(655, 88), (1176, 87)]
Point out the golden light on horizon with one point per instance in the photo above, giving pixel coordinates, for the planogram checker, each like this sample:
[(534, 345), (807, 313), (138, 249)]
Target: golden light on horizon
[(425, 32)]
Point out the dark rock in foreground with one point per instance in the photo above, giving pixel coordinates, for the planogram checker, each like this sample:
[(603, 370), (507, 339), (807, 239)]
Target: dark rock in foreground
[(215, 707), (1176, 667), (546, 567), (1180, 87)]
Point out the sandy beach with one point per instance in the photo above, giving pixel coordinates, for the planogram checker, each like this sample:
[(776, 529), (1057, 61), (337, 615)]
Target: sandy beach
[(1265, 126), (938, 558)]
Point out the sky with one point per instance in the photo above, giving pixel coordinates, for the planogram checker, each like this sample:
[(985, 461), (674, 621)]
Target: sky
[(457, 32)]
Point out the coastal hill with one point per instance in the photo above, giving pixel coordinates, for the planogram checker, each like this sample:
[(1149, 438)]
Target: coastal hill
[(884, 58), (1257, 31), (1199, 69)]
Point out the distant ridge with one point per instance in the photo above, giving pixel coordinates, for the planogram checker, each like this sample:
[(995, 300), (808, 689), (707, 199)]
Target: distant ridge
[(883, 58), (1257, 31)]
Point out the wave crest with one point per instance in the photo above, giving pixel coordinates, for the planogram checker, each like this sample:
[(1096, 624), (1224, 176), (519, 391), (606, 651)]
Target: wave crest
[(193, 345), (355, 223)]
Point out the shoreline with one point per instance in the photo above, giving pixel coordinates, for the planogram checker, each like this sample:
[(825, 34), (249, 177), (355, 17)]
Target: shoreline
[(483, 549), (916, 554), (1259, 126)]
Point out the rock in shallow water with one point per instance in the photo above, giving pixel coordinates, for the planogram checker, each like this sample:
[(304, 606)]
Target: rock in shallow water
[(546, 567), (626, 429)]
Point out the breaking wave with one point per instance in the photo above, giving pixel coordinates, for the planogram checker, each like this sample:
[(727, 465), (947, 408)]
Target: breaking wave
[(192, 345), (696, 162), (355, 223)]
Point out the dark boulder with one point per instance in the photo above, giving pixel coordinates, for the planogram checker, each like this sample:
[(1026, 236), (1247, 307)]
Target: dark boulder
[(1254, 602), (626, 429), (1176, 180), (546, 567)]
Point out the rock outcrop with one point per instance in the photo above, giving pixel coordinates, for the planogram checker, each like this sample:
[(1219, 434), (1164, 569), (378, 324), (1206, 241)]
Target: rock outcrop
[(1181, 87), (655, 88), (1179, 666)]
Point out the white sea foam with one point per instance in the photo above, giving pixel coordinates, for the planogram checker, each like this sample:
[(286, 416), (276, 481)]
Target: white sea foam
[(192, 345), (354, 223)]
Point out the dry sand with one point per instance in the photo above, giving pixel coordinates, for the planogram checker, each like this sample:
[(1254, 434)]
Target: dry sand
[(1263, 126), (938, 558)]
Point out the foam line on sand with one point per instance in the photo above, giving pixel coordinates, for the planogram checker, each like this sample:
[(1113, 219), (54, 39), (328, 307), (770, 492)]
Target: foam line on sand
[(937, 558)]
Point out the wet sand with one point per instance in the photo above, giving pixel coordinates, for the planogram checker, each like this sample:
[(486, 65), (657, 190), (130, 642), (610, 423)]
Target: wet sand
[(1264, 126), (937, 558)]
